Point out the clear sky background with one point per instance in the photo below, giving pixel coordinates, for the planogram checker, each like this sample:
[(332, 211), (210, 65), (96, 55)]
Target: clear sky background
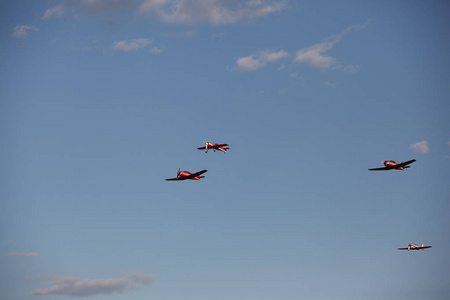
[(103, 100)]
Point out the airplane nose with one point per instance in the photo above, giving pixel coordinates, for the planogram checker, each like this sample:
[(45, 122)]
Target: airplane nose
[(382, 162)]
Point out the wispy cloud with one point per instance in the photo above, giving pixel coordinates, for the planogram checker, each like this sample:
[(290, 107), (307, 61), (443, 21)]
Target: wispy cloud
[(156, 50), (447, 156), (420, 147), (85, 7), (183, 34), (330, 85), (54, 12), (96, 6), (175, 11), (21, 31), (350, 68), (22, 254), (209, 11), (316, 56), (294, 75), (258, 60), (77, 287), (131, 45)]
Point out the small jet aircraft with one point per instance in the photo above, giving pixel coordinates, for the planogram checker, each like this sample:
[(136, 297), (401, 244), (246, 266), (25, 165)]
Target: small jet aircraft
[(183, 175), (392, 165), (412, 246), (209, 145)]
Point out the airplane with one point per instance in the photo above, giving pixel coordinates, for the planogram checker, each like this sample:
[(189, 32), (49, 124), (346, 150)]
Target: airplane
[(392, 165), (209, 145), (412, 246), (183, 175)]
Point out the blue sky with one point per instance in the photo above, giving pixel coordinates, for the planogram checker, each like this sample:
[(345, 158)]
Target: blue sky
[(103, 100)]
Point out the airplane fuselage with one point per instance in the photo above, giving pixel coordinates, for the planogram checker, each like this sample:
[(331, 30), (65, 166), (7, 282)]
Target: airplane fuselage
[(392, 164), (412, 246), (215, 147), (415, 247), (182, 175)]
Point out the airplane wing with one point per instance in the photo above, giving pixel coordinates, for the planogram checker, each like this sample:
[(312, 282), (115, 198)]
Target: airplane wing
[(425, 247), (405, 163), (402, 248), (380, 169), (172, 179), (201, 148), (197, 174), (222, 145)]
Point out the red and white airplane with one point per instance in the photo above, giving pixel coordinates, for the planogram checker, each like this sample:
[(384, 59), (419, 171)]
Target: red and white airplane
[(209, 145), (183, 175), (392, 165), (412, 246)]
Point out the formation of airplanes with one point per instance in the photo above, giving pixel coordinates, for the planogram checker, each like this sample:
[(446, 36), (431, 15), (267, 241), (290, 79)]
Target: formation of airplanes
[(183, 175), (388, 165), (392, 165)]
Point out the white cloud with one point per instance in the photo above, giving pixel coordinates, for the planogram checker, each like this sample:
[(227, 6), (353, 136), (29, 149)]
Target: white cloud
[(21, 31), (316, 56), (155, 50), (175, 11), (54, 12), (330, 85), (183, 34), (96, 6), (142, 277), (131, 44), (76, 287), (248, 63), (23, 254), (420, 147), (447, 156), (350, 68), (85, 6), (256, 61), (209, 11), (273, 56), (153, 5)]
